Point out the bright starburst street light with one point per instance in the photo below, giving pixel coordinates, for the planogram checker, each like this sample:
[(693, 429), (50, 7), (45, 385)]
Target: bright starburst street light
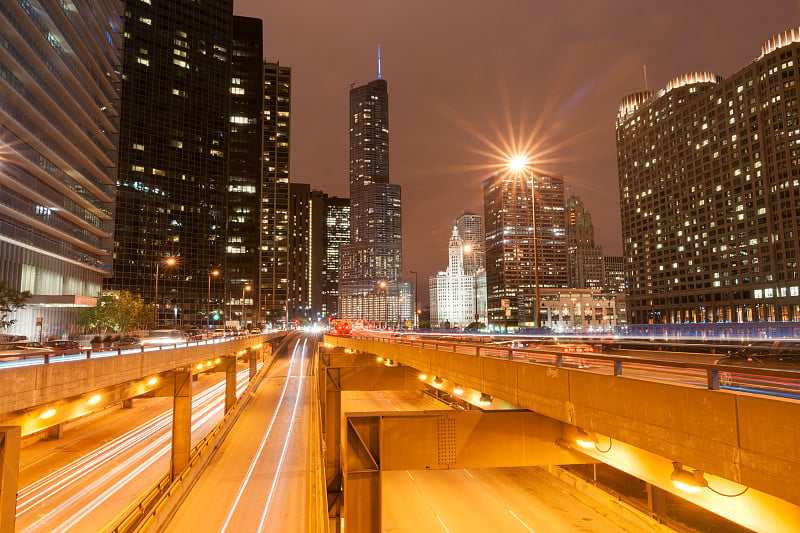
[(518, 163)]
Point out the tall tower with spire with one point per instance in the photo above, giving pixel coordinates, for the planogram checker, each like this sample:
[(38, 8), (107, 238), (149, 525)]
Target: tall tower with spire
[(371, 265)]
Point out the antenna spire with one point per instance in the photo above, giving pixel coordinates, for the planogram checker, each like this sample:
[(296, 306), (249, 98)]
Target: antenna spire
[(644, 67), (379, 60)]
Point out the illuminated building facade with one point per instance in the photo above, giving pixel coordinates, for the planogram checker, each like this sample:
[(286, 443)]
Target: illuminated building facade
[(173, 162), (470, 230), (615, 284), (336, 234), (60, 79), (243, 249), (709, 186), (300, 252), (371, 264), (510, 279), (452, 292), (274, 284), (585, 260)]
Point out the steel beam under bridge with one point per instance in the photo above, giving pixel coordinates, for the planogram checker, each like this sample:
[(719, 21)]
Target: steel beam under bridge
[(438, 440)]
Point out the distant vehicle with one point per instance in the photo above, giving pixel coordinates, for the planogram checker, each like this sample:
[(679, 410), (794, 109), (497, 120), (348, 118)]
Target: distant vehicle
[(342, 327), (194, 334), (223, 333), (255, 331), (24, 349), (575, 347), (164, 337), (128, 342), (64, 347)]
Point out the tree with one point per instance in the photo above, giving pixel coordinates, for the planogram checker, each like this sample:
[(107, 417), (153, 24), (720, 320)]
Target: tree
[(116, 311), (10, 300)]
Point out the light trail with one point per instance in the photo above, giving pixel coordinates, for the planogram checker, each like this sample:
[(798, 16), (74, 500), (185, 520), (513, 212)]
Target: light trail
[(261, 446), (300, 380), (206, 406)]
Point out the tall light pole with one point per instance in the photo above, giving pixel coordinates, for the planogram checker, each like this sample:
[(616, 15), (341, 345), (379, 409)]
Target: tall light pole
[(469, 250), (214, 273), (519, 164), (416, 323), (244, 289), (168, 262), (385, 290)]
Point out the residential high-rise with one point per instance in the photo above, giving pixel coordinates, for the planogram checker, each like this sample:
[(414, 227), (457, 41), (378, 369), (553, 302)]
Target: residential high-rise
[(246, 130), (336, 234), (709, 183), (275, 193), (300, 246), (371, 265), (510, 274), (452, 292), (173, 164), (585, 260), (59, 122)]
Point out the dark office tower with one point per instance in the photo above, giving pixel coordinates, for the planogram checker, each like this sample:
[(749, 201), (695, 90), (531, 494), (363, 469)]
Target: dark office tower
[(59, 106), (709, 187), (470, 230), (336, 234), (300, 252), (510, 277), (275, 193), (585, 260), (371, 266), (246, 129), (173, 153)]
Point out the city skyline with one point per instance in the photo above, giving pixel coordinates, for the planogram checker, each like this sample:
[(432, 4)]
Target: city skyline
[(448, 87)]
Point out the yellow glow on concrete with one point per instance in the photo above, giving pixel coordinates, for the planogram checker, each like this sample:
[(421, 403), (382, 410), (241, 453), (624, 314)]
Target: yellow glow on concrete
[(199, 366), (753, 509), (379, 359), (94, 399), (47, 414), (217, 361), (256, 347), (458, 391), (694, 489), (208, 364), (152, 381), (423, 377), (583, 443)]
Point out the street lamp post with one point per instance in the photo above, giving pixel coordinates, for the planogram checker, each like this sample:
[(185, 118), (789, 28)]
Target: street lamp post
[(170, 261), (385, 290), (416, 324), (520, 165), (244, 289), (469, 250), (208, 302)]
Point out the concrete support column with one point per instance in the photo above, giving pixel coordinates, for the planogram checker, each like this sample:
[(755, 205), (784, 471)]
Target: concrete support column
[(127, 404), (181, 421), (656, 500), (253, 363), (332, 427), (9, 476), (230, 381), (54, 432)]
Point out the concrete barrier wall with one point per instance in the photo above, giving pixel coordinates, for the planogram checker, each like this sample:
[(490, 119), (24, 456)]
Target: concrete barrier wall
[(26, 387), (748, 439)]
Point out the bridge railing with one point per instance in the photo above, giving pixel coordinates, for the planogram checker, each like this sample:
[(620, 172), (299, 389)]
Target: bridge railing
[(714, 376)]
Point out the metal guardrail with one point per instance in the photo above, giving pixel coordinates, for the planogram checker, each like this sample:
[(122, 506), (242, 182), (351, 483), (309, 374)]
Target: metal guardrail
[(759, 380), (87, 353)]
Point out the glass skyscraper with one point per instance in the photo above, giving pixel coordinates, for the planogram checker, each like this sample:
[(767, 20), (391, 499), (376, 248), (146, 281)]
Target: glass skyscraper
[(173, 162), (59, 122)]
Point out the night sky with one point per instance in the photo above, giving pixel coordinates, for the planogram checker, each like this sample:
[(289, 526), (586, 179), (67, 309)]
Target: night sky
[(469, 79)]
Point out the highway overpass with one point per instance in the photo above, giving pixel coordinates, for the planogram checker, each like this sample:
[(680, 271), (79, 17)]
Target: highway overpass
[(735, 450)]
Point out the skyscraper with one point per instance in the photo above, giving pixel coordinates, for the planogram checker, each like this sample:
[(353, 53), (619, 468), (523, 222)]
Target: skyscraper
[(300, 246), (173, 152), (510, 273), (336, 228), (470, 230), (59, 122), (275, 193), (585, 265), (709, 182), (245, 182), (371, 265)]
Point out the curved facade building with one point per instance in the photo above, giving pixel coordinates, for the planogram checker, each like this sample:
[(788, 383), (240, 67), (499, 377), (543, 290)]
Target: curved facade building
[(709, 182)]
